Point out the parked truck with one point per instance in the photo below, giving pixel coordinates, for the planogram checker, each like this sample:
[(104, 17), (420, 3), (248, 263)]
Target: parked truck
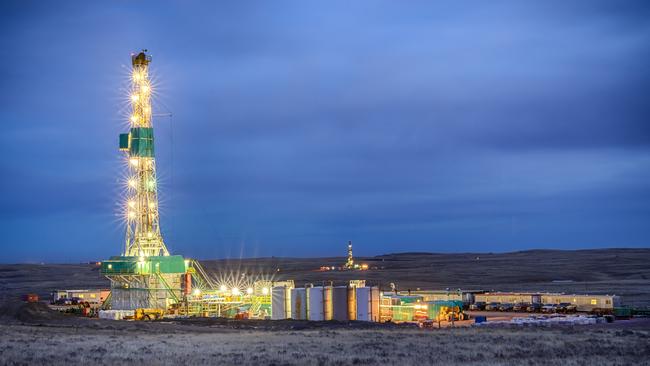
[(147, 314)]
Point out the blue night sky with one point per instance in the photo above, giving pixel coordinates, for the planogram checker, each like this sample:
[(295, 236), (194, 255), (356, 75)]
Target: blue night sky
[(298, 125)]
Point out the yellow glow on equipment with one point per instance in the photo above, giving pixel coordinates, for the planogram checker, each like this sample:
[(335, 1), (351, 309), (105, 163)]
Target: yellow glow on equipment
[(145, 277), (143, 229), (349, 263)]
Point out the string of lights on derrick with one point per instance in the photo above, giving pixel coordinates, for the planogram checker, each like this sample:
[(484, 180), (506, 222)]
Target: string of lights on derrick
[(143, 236)]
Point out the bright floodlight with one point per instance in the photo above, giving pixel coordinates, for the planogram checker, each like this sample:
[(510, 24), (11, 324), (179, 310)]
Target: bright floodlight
[(235, 291), (143, 229), (196, 292), (223, 288), (265, 291), (249, 291)]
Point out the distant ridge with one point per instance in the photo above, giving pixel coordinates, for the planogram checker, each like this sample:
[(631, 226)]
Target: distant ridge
[(527, 251)]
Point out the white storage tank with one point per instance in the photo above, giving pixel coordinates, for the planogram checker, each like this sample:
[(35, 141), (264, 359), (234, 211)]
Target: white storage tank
[(299, 303), (368, 304), (352, 303), (327, 302), (280, 303), (340, 303), (315, 309)]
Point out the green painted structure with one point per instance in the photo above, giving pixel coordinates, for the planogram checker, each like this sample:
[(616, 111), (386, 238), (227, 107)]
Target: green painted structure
[(144, 266)]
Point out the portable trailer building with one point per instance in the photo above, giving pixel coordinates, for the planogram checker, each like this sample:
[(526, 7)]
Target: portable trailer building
[(431, 295), (392, 299), (509, 297), (92, 296), (582, 302), (588, 303)]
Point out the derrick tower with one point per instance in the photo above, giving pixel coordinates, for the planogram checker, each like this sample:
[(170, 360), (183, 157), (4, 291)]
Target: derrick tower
[(145, 275), (349, 264), (143, 237)]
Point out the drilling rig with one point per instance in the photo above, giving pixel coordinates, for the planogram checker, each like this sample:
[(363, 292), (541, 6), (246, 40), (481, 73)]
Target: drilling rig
[(349, 263), (146, 278), (143, 236), (145, 275)]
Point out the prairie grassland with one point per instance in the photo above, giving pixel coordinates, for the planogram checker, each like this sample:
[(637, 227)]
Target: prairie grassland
[(169, 344)]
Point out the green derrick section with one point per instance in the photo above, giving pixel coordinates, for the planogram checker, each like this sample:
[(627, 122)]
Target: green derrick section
[(141, 144), (146, 266), (124, 141)]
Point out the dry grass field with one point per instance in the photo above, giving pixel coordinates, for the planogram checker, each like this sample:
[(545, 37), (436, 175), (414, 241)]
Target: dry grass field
[(170, 344)]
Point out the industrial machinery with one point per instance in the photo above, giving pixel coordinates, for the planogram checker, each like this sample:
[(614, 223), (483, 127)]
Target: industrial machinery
[(403, 308), (146, 277), (445, 310), (148, 314), (349, 263), (143, 237)]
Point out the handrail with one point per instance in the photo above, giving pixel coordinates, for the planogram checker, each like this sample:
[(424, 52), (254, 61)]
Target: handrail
[(202, 275)]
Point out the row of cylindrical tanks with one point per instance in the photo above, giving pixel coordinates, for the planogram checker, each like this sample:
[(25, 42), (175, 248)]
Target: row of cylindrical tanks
[(318, 303)]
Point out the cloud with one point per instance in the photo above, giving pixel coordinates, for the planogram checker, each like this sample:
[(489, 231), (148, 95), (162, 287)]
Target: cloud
[(402, 126)]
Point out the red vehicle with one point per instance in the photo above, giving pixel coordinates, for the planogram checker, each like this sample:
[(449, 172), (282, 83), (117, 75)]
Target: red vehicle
[(242, 315), (30, 298)]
